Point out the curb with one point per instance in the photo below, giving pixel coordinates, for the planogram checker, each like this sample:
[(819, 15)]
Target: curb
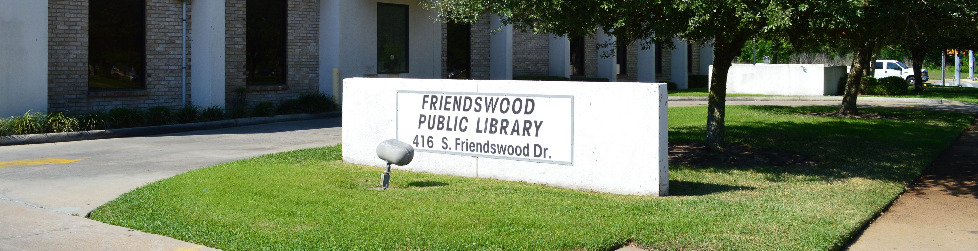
[(829, 98), (155, 130)]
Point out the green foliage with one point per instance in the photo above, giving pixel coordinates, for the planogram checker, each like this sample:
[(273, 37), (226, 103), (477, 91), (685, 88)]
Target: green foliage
[(58, 122), (671, 86), (264, 109), (213, 113), (308, 199), (886, 86), (290, 106), (159, 115), (237, 112), (5, 128), (187, 114), (97, 120), (126, 118), (317, 103), (29, 123), (698, 81)]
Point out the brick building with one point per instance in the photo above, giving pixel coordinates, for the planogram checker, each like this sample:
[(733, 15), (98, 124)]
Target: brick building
[(90, 55)]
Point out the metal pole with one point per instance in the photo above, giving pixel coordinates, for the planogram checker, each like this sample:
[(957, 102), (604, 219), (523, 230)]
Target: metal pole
[(971, 64), (753, 58), (386, 177), (943, 66)]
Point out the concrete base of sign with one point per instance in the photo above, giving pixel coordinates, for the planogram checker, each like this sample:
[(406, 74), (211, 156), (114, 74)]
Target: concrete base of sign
[(618, 132), (784, 79)]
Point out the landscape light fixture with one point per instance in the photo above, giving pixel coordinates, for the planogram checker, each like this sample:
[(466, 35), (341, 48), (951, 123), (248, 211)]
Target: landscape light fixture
[(394, 152)]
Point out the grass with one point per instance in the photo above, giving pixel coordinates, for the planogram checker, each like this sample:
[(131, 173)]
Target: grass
[(308, 199), (963, 94), (704, 92)]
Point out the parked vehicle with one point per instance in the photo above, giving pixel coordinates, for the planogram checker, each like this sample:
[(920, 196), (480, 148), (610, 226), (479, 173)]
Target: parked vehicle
[(893, 68)]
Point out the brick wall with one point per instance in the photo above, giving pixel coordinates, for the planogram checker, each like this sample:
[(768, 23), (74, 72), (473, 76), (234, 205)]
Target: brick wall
[(68, 60), (591, 56), (480, 48), (632, 66), (531, 54), (302, 52)]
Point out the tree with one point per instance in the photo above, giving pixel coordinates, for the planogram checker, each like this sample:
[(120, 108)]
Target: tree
[(937, 25), (729, 24)]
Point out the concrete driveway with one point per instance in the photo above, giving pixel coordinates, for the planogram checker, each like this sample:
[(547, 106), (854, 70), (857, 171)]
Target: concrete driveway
[(46, 189)]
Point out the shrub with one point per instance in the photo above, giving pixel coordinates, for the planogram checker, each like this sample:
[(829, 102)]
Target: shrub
[(29, 123), (586, 79), (698, 81), (317, 103), (58, 122), (94, 121), (291, 106), (187, 114), (213, 113), (264, 109), (671, 86), (885, 86), (541, 78), (237, 112), (159, 115), (125, 118), (5, 128), (842, 84)]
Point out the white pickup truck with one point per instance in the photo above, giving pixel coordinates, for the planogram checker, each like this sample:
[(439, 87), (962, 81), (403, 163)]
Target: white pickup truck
[(893, 68)]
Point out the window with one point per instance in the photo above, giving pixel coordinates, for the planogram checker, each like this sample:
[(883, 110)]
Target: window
[(658, 58), (689, 57), (117, 44), (879, 65), (894, 66), (392, 38), (577, 56), (622, 57), (459, 50), (267, 37)]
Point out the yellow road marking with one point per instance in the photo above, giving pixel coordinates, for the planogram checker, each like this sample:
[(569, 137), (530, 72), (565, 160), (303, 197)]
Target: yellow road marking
[(34, 162), (188, 248)]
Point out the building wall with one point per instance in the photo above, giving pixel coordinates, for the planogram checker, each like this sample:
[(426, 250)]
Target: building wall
[(23, 57), (531, 54), (68, 59), (302, 55), (480, 48)]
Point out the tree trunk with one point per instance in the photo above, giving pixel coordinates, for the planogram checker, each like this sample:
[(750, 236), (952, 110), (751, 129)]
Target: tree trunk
[(716, 109), (861, 61), (917, 55)]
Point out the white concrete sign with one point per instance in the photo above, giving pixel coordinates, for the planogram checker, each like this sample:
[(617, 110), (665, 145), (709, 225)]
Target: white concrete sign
[(532, 128), (783, 79), (605, 137)]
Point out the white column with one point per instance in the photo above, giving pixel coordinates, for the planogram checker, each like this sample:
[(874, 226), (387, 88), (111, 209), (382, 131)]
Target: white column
[(560, 65), (607, 58), (23, 57), (646, 64), (957, 69), (680, 72), (500, 50), (971, 64), (208, 56), (706, 57)]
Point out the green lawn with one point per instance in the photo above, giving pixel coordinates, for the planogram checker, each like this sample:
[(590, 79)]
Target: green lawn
[(963, 94), (308, 199)]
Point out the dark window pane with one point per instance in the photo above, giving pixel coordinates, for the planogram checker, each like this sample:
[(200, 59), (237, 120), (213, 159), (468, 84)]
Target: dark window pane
[(577, 56), (459, 50), (658, 58), (117, 47), (689, 57), (392, 38), (622, 57), (267, 34)]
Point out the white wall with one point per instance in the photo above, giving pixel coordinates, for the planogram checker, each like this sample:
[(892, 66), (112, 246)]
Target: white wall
[(646, 64), (348, 40), (607, 56), (208, 31), (784, 79), (560, 65), (500, 49), (618, 132), (680, 70), (23, 57)]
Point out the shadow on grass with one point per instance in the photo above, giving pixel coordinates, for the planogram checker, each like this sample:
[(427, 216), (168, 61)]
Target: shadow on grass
[(878, 149), (686, 188), (427, 184)]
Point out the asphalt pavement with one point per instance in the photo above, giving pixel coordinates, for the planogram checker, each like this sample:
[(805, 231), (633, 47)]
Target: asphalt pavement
[(47, 189)]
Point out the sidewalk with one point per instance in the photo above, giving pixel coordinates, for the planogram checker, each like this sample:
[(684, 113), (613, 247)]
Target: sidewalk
[(939, 212)]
